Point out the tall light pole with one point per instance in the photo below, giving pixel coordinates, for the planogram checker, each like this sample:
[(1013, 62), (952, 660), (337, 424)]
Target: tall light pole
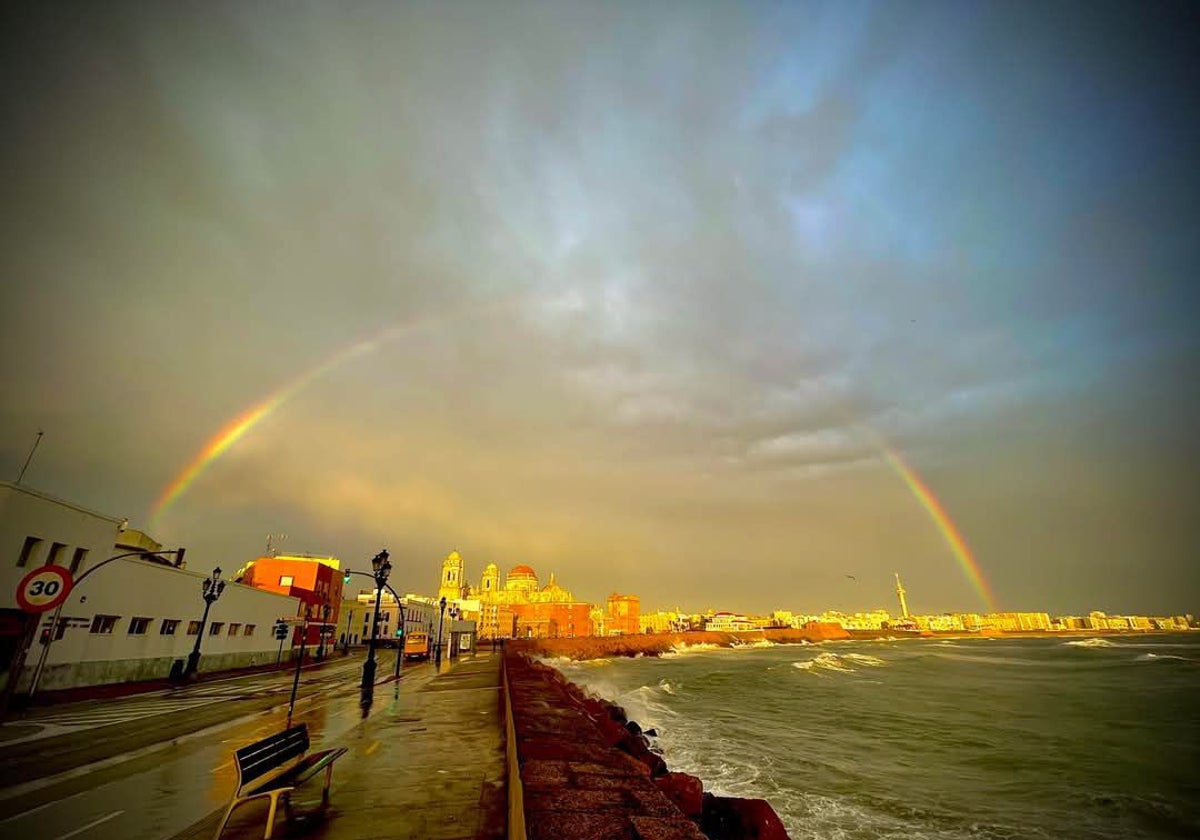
[(381, 568), (437, 655), (321, 640), (211, 589)]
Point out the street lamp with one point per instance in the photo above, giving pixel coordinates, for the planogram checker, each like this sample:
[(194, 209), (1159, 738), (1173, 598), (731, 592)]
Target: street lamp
[(321, 641), (437, 655), (211, 589), (381, 568)]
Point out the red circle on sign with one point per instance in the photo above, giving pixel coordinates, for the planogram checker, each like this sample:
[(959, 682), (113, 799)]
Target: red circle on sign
[(44, 589)]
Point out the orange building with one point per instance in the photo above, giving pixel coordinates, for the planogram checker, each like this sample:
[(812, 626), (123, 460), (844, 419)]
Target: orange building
[(315, 581), (622, 615), (553, 620)]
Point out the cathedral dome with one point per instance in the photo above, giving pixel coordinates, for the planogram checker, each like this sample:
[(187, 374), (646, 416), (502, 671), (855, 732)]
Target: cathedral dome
[(521, 577)]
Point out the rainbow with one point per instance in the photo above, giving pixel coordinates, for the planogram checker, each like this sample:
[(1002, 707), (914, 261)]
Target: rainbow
[(236, 429), (950, 532)]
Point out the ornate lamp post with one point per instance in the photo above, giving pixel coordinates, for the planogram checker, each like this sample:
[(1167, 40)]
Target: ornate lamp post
[(437, 655), (211, 589), (381, 568)]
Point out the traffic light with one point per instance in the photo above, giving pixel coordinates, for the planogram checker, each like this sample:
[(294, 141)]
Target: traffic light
[(346, 578), (400, 632)]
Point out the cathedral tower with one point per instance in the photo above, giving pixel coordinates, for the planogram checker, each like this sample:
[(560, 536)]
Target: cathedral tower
[(489, 583), (454, 578)]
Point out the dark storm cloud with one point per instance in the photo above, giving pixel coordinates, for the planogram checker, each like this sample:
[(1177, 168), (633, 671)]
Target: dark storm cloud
[(665, 273)]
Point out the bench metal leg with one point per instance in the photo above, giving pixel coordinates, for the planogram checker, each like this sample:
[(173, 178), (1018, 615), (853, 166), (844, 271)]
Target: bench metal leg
[(224, 820), (325, 790), (271, 814)]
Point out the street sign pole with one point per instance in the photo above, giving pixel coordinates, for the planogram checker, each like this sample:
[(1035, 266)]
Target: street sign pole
[(39, 591)]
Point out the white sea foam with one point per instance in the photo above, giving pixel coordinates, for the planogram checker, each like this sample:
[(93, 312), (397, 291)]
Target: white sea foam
[(1160, 657), (1091, 643), (863, 659)]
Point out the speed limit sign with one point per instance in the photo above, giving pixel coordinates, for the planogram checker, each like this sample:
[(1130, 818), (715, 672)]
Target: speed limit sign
[(43, 589)]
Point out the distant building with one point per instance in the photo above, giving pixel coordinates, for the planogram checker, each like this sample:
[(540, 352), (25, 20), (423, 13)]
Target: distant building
[(727, 622)]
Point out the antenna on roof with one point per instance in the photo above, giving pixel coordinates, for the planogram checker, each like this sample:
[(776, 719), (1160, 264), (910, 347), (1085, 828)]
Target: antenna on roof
[(29, 457)]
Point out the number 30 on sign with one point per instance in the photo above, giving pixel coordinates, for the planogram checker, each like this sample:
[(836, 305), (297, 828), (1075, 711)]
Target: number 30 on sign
[(43, 589)]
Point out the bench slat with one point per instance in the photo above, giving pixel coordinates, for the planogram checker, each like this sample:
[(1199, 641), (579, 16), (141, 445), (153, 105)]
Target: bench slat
[(257, 759)]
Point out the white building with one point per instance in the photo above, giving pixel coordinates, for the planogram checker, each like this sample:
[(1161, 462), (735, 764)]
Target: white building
[(130, 620), (726, 622), (354, 622)]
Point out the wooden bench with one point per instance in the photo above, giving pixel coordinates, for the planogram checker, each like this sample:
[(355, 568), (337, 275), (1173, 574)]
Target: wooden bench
[(274, 767)]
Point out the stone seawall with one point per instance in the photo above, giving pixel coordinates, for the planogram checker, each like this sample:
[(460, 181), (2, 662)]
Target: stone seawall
[(589, 773)]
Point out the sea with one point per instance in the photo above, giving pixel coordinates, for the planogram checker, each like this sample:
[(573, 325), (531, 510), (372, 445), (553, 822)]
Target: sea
[(933, 738)]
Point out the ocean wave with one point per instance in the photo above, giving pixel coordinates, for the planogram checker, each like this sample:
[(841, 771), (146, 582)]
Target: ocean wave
[(682, 648), (1091, 643), (838, 662)]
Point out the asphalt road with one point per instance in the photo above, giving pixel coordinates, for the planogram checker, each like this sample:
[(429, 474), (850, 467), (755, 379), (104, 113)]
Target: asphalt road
[(148, 766)]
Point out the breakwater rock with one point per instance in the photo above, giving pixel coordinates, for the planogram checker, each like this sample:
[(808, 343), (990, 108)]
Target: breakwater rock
[(589, 773)]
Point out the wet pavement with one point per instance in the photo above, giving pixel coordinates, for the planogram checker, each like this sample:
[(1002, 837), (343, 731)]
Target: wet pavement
[(428, 765), (388, 785)]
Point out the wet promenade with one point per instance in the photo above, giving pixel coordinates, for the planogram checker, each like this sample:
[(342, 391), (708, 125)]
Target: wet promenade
[(426, 764)]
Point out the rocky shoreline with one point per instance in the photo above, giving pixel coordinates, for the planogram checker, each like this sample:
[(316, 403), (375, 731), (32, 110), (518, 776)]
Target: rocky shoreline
[(589, 773)]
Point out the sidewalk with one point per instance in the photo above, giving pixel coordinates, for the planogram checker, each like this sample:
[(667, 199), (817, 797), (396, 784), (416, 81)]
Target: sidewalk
[(427, 764)]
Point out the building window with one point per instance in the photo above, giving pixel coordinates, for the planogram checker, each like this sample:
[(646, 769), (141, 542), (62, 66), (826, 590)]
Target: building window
[(138, 626), (249, 631), (52, 555), (104, 623), (77, 559), (193, 628), (27, 550), (215, 628), (234, 628), (285, 580), (168, 627)]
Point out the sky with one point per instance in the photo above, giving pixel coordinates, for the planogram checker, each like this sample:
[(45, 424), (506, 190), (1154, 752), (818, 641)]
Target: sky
[(641, 294)]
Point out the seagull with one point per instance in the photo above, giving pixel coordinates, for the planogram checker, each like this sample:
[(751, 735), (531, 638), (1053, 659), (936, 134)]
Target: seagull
[(852, 577)]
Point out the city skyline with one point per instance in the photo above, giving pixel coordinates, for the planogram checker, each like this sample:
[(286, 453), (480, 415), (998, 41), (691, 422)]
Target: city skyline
[(713, 304)]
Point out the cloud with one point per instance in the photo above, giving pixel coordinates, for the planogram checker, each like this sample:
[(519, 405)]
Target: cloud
[(644, 276)]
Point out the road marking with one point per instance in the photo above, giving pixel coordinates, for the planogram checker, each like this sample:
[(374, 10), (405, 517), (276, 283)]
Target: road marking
[(222, 767), (92, 824), (41, 807), (374, 746)]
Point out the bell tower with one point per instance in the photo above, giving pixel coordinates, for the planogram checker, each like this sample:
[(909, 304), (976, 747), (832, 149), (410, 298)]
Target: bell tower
[(454, 578), (489, 583)]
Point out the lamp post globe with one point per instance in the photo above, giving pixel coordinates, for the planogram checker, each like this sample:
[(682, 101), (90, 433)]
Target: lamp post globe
[(210, 590)]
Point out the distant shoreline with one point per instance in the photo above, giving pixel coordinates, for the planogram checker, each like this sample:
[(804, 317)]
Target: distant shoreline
[(657, 644)]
